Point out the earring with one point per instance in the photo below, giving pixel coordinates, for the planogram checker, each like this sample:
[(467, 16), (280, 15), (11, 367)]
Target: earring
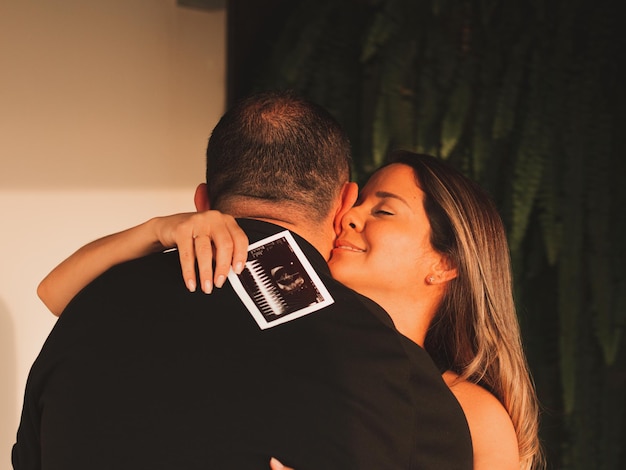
[(431, 279)]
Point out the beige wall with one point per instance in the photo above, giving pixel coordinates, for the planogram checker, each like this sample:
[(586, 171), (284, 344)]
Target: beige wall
[(105, 110)]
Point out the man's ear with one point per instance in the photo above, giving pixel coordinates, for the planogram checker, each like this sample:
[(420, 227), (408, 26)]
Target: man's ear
[(201, 198), (349, 195)]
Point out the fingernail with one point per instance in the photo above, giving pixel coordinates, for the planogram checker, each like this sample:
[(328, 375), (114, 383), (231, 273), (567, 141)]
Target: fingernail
[(276, 462), (239, 267), (191, 285), (220, 281), (208, 287)]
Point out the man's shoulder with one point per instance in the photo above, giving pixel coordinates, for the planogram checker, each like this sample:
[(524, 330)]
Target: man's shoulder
[(137, 281), (157, 267)]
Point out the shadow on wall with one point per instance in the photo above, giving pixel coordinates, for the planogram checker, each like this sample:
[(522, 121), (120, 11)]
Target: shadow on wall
[(8, 385)]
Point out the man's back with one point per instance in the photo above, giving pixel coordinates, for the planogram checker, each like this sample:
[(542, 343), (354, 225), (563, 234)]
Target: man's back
[(139, 373)]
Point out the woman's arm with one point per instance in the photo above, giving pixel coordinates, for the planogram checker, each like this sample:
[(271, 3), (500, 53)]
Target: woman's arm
[(493, 436), (205, 236)]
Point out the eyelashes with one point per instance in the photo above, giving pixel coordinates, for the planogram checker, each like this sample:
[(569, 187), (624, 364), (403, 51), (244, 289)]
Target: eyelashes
[(382, 212)]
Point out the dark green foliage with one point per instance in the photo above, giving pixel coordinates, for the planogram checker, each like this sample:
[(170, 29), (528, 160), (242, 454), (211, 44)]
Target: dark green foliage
[(526, 97)]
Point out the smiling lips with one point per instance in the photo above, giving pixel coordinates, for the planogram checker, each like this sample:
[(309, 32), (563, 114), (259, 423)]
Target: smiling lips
[(345, 245)]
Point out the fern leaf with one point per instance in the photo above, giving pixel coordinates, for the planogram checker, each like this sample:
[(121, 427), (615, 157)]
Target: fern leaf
[(455, 118), (380, 131), (548, 202), (385, 25), (510, 92), (530, 161)]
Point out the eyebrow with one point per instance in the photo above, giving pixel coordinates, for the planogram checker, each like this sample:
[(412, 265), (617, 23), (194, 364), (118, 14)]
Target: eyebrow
[(385, 195)]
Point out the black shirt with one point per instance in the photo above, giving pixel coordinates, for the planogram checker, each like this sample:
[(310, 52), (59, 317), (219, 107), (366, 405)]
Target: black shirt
[(139, 373)]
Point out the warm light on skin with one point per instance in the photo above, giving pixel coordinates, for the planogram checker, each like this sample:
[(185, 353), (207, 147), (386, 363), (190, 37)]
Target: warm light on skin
[(384, 250)]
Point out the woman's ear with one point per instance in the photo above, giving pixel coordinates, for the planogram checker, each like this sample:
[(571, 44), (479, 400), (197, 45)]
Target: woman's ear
[(442, 271), (349, 195), (201, 198)]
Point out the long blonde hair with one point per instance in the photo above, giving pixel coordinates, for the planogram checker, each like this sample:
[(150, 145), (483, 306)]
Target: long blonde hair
[(475, 332)]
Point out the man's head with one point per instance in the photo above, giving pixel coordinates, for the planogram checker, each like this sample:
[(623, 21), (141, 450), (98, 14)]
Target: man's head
[(276, 150)]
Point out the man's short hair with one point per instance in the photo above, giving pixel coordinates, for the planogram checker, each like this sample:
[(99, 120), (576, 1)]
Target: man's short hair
[(281, 148)]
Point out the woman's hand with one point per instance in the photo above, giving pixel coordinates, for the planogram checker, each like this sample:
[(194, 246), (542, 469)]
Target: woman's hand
[(204, 237), (276, 465)]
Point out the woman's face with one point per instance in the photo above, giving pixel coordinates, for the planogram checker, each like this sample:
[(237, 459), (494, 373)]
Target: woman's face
[(384, 246)]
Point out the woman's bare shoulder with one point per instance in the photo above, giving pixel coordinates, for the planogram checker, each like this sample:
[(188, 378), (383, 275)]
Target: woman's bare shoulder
[(493, 435)]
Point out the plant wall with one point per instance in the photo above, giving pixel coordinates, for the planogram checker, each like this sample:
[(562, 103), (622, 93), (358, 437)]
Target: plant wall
[(526, 97)]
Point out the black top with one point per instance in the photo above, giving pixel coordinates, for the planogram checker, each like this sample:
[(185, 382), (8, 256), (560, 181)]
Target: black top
[(138, 373)]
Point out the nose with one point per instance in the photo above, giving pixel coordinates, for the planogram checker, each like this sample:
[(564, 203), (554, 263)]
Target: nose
[(352, 220)]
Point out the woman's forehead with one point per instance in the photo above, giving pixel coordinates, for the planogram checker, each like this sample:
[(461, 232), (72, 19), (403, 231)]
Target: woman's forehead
[(393, 178)]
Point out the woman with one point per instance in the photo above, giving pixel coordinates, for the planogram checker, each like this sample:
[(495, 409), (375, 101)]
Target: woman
[(425, 243)]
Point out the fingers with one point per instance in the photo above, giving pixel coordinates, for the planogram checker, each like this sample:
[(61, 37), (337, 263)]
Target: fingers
[(176, 231), (276, 465), (187, 256), (240, 245), (228, 246), (221, 244), (215, 242), (203, 248)]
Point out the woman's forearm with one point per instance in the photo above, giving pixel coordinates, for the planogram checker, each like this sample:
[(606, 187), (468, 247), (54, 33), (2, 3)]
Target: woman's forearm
[(211, 239), (84, 265)]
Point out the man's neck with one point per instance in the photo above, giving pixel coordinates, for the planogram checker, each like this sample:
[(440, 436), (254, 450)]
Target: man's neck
[(322, 240), (319, 234)]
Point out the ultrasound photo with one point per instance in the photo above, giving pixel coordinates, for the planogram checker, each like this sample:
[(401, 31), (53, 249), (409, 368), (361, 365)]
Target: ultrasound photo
[(278, 284)]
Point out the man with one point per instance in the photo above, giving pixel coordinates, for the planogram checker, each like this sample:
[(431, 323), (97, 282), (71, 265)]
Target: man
[(283, 361)]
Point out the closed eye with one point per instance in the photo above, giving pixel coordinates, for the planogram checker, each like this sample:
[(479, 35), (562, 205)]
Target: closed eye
[(382, 212)]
